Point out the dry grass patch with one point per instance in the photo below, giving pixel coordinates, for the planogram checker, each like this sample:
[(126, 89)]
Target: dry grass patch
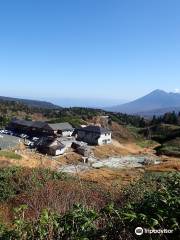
[(121, 133), (108, 151), (5, 213), (116, 149), (111, 180), (30, 160), (168, 164), (69, 158)]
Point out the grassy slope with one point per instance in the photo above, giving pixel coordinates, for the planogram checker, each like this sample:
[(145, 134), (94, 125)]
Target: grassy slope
[(10, 155), (170, 148)]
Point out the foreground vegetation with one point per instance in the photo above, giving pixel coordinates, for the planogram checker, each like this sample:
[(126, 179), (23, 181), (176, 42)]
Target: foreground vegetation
[(50, 205), (10, 155)]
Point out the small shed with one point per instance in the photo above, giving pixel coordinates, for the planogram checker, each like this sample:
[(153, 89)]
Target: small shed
[(84, 151), (81, 148)]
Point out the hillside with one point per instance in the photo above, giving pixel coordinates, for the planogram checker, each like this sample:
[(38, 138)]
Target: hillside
[(151, 103), (39, 201), (30, 103)]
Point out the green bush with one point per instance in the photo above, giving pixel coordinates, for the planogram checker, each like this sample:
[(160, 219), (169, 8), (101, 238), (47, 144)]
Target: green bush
[(170, 148), (7, 184), (157, 209), (17, 180)]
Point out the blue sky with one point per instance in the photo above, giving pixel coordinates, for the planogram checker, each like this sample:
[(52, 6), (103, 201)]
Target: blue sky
[(101, 49)]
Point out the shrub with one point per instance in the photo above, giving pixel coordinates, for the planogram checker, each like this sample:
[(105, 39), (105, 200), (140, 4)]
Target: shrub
[(156, 210), (7, 185), (17, 180)]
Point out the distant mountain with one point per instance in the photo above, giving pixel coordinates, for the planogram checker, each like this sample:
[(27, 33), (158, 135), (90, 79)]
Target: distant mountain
[(86, 102), (31, 103), (157, 102)]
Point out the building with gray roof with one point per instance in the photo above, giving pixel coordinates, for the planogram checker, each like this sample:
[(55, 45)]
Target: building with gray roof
[(41, 128), (94, 135), (65, 129)]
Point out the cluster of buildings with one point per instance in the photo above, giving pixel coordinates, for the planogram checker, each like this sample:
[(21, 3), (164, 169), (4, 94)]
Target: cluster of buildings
[(39, 128), (51, 136)]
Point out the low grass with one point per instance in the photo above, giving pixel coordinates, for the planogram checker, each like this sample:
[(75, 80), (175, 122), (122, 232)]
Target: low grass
[(147, 143), (135, 131), (10, 155), (162, 132), (74, 121), (140, 139), (170, 148)]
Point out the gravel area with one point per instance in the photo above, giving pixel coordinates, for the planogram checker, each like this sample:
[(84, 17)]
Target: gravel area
[(123, 162), (8, 141)]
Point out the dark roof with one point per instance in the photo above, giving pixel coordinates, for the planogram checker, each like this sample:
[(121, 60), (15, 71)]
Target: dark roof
[(34, 124), (38, 124), (50, 143), (22, 122), (94, 129), (61, 126)]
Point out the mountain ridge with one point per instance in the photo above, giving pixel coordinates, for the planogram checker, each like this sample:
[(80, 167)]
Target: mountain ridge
[(150, 103), (31, 103)]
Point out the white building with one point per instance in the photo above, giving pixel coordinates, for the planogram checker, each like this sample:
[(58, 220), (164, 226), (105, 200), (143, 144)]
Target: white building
[(51, 146), (94, 135), (65, 129)]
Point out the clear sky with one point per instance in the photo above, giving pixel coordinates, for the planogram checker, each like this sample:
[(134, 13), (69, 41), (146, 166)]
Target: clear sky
[(107, 49)]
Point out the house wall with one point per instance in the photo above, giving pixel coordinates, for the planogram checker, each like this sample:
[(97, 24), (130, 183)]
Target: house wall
[(60, 151), (53, 152), (94, 138), (67, 133), (105, 139)]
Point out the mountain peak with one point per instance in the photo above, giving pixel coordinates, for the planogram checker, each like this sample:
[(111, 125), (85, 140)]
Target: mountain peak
[(158, 91), (157, 99)]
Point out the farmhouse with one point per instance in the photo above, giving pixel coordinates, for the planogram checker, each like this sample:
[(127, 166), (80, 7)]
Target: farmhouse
[(41, 128), (94, 135)]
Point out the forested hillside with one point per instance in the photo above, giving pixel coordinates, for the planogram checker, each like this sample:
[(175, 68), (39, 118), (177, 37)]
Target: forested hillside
[(30, 103)]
